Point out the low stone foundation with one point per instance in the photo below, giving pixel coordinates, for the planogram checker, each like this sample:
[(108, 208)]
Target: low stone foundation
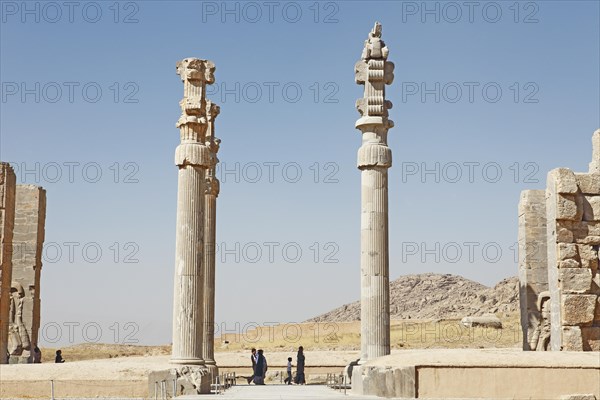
[(75, 389), (489, 373)]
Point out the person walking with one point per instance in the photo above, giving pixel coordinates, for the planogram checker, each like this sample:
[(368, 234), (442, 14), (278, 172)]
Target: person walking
[(300, 379), (265, 367), (260, 369), (253, 360), (288, 380)]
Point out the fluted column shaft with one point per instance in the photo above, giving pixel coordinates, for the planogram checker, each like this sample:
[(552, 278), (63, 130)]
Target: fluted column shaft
[(208, 344), (210, 227), (374, 159), (374, 264), (189, 274)]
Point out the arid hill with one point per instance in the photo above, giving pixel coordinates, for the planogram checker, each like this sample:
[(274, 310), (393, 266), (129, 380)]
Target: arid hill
[(436, 296)]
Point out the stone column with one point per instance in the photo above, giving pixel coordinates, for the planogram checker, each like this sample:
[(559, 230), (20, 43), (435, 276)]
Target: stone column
[(7, 219), (374, 158), (192, 157), (28, 242), (533, 270), (212, 191)]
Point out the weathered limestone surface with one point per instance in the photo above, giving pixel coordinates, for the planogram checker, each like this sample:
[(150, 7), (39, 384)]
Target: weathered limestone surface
[(7, 218), (578, 309), (385, 381), (28, 241), (210, 225), (533, 268), (374, 158), (478, 374), (560, 288), (590, 337), (184, 380), (193, 157), (573, 233)]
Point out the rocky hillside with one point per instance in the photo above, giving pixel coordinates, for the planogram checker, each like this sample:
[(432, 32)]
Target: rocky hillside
[(435, 296)]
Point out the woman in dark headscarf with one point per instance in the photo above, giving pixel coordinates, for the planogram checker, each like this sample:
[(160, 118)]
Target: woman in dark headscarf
[(261, 369), (300, 379)]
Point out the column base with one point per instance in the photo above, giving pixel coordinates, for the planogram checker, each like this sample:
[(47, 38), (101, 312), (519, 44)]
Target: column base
[(182, 380), (213, 370)]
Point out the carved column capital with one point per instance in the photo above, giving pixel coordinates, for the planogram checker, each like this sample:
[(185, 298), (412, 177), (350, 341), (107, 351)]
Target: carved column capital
[(193, 122), (197, 70), (374, 72)]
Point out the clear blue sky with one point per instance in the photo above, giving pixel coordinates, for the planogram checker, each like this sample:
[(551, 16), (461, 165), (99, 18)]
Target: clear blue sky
[(543, 57)]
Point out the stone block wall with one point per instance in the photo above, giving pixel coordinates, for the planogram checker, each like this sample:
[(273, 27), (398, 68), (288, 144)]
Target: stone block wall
[(533, 266), (28, 240), (573, 229), (7, 216), (560, 291)]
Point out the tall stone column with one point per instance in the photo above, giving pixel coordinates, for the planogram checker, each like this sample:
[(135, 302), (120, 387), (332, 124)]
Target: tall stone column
[(212, 192), (533, 270), (28, 243), (374, 158), (7, 219), (193, 158)]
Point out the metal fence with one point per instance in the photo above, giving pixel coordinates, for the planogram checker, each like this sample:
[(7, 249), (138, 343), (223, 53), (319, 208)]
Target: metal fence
[(338, 382)]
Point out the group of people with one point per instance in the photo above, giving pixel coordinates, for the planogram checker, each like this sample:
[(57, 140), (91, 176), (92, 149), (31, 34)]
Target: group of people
[(259, 368)]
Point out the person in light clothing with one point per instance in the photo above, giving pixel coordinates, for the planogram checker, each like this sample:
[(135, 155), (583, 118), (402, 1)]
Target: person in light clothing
[(288, 380)]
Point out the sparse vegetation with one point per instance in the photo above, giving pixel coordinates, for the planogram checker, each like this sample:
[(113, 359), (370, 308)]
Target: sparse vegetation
[(333, 336)]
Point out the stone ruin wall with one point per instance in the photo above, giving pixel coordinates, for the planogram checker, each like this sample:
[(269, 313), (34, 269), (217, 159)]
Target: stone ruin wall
[(7, 216), (28, 240), (573, 215), (533, 265), (559, 239)]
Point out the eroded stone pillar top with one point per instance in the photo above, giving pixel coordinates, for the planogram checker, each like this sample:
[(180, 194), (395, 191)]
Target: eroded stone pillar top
[(374, 72), (595, 164), (196, 70), (213, 143), (212, 112), (375, 48)]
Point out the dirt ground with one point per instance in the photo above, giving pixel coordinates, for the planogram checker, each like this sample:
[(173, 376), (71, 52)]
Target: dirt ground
[(325, 337), (107, 369)]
